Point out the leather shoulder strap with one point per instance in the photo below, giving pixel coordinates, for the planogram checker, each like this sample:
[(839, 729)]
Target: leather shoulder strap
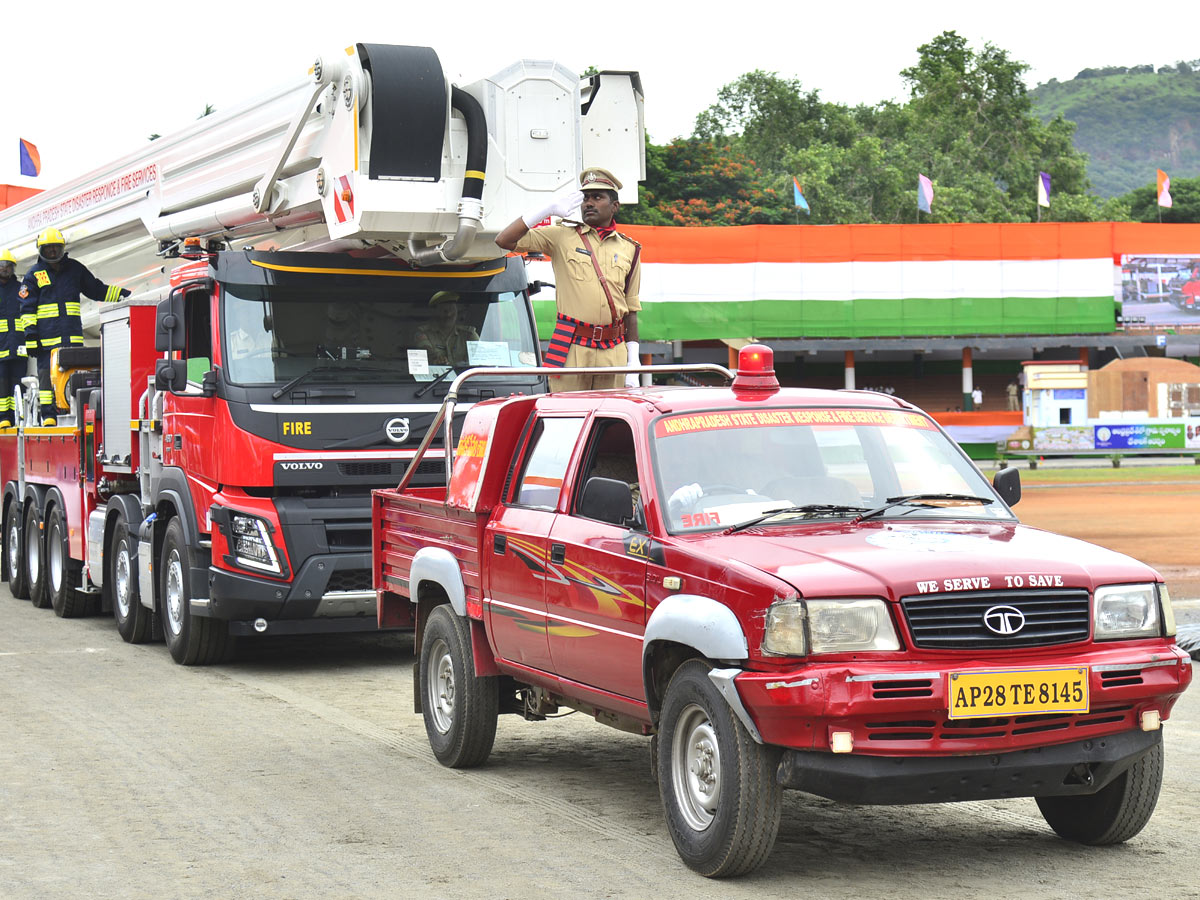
[(587, 245)]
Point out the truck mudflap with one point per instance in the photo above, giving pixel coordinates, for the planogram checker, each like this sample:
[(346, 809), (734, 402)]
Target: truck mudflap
[(1080, 767)]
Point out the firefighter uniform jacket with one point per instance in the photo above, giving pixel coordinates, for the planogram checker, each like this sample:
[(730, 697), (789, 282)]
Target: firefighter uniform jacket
[(10, 318), (50, 303)]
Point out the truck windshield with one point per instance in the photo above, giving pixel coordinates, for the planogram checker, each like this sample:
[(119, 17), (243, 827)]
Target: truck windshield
[(718, 469), (273, 335)]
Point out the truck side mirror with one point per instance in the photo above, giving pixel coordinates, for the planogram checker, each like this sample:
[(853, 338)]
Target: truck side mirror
[(1007, 483), (170, 374), (170, 333), (606, 500)]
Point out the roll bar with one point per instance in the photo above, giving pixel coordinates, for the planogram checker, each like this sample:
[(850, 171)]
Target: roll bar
[(445, 413)]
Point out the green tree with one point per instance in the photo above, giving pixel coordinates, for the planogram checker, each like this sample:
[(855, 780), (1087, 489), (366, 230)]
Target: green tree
[(765, 115), (967, 124), (697, 182)]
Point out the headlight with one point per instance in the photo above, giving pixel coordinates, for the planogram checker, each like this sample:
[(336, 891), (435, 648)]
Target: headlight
[(838, 626), (1127, 611), (798, 627), (251, 544)]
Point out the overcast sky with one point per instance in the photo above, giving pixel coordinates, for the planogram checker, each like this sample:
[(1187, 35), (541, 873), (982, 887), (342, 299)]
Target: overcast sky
[(91, 84)]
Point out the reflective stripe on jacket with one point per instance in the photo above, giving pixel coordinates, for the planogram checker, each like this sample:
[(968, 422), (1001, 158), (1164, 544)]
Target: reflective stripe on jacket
[(10, 318), (50, 302)]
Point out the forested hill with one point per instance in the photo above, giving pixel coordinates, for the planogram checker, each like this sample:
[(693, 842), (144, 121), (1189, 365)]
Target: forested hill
[(1130, 121)]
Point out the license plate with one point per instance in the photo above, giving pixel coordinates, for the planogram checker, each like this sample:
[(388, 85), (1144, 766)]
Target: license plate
[(1012, 692)]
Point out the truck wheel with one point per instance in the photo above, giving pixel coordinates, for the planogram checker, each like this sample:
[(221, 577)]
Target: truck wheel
[(460, 708), (14, 551), (718, 786), (121, 577), (35, 571), (63, 574), (1113, 814), (192, 640)]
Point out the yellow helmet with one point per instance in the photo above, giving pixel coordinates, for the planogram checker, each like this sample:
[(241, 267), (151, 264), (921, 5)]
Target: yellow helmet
[(50, 236), (7, 257)]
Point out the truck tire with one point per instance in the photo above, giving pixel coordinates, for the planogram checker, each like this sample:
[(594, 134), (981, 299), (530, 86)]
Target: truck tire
[(718, 786), (459, 707), (192, 640), (1113, 814), (14, 551), (121, 577), (63, 574), (35, 569)]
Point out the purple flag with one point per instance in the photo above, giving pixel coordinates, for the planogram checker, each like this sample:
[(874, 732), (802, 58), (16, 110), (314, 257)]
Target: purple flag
[(1043, 189)]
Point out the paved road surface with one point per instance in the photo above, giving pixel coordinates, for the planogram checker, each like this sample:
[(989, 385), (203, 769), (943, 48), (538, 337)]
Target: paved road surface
[(299, 771)]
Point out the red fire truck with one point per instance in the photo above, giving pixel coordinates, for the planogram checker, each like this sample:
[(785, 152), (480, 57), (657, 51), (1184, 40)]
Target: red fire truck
[(307, 272), (784, 588)]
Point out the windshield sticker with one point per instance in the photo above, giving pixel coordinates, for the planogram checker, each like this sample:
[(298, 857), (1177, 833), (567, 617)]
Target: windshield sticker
[(926, 541), (762, 418), (418, 362), (488, 353)]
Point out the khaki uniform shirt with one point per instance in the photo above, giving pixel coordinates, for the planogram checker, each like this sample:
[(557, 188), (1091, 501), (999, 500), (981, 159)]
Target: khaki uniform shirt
[(576, 287)]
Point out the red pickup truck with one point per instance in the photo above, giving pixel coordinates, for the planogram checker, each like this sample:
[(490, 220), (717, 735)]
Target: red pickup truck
[(784, 588)]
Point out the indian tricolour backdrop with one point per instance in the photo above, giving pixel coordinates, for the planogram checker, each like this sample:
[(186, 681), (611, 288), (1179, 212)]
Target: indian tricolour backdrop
[(787, 281)]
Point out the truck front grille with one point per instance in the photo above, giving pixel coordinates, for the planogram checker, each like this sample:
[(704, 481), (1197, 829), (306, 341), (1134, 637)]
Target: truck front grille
[(957, 621), (389, 468), (943, 729)]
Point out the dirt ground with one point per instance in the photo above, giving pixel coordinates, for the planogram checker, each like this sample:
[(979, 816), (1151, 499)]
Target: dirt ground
[(1153, 522)]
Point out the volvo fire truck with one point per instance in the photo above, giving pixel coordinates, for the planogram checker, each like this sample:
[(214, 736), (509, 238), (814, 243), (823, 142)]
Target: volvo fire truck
[(308, 273)]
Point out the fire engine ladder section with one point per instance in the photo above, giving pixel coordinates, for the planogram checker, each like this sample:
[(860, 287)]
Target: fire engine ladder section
[(374, 149)]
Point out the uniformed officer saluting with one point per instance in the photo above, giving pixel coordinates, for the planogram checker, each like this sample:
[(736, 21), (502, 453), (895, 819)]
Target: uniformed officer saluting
[(50, 307), (597, 278)]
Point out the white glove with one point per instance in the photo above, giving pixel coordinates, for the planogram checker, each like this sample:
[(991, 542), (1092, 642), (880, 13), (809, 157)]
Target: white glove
[(633, 379), (562, 205), (683, 499)]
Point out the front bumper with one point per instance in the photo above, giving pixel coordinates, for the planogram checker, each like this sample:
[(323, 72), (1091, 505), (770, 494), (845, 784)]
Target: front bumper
[(893, 708), (307, 604), (1080, 767)]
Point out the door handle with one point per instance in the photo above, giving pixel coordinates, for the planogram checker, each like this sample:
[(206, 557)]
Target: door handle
[(558, 553), (499, 543)]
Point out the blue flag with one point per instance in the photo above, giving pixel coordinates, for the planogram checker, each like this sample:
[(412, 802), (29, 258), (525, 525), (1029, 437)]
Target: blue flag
[(31, 160), (799, 196)]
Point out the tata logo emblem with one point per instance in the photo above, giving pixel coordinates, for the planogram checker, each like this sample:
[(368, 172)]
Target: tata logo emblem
[(396, 430), (1004, 620)]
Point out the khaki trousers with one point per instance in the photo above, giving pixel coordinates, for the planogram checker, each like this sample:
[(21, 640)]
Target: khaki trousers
[(580, 357)]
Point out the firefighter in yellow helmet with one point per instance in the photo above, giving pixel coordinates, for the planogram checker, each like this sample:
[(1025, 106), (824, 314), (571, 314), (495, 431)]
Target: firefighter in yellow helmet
[(50, 307), (12, 346)]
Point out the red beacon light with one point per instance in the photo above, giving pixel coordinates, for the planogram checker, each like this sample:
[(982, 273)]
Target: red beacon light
[(756, 369)]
